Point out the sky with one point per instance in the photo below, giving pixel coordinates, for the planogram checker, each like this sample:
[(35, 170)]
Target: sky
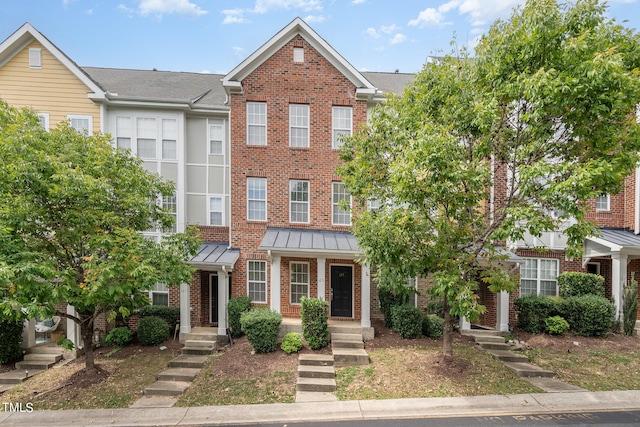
[(213, 36)]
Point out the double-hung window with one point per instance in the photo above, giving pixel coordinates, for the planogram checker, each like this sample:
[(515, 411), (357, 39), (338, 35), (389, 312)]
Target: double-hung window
[(215, 211), (603, 202), (340, 195), (256, 123), (539, 276), (170, 205), (257, 281), (298, 201), (216, 139), (169, 139), (298, 125), (257, 199), (123, 132), (43, 119), (299, 280), (341, 125), (147, 133), (159, 294), (81, 123)]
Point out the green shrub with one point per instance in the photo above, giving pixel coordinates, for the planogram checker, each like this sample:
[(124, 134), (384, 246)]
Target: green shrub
[(574, 284), (291, 343), (533, 310), (171, 315), (235, 308), (315, 322), (630, 306), (10, 340), (389, 299), (262, 327), (435, 307), (588, 315), (119, 336), (407, 321), (556, 325), (152, 330), (432, 326)]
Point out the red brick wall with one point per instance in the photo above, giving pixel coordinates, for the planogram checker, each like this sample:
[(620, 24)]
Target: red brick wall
[(214, 234), (279, 82)]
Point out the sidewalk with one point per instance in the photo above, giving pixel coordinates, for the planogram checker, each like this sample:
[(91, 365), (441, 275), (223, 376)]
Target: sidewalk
[(541, 403)]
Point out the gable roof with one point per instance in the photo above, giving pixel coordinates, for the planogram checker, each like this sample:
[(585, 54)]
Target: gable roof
[(232, 81), (25, 35), (189, 90)]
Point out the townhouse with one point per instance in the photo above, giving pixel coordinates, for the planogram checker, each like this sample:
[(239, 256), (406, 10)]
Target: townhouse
[(253, 155)]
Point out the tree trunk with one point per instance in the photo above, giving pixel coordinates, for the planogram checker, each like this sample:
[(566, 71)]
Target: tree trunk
[(447, 348), (86, 330)]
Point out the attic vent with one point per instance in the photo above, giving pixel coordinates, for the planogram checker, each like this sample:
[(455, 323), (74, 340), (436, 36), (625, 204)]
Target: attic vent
[(35, 58), (298, 54)]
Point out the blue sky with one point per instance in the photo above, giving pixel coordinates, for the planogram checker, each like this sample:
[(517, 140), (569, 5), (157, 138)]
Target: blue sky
[(215, 35)]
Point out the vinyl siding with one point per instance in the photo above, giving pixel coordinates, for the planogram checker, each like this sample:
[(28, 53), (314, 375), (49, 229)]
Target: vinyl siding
[(52, 89)]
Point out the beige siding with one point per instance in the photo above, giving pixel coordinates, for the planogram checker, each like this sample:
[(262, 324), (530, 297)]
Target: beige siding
[(52, 89)]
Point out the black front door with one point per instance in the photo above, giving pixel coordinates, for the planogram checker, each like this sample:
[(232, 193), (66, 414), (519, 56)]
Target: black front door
[(341, 291)]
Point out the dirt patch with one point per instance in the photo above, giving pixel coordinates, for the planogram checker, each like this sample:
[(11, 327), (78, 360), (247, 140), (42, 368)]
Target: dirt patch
[(570, 342)]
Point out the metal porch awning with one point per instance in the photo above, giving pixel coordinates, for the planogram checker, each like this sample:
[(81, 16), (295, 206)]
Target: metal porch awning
[(292, 241), (212, 255)]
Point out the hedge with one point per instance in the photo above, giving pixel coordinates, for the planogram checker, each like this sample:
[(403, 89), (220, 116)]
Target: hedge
[(291, 343), (171, 315), (432, 326), (152, 330), (387, 300), (575, 284), (588, 315), (407, 321), (10, 340), (315, 322), (533, 310), (262, 327), (235, 307)]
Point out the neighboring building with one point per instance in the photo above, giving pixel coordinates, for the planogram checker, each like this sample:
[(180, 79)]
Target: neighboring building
[(253, 155)]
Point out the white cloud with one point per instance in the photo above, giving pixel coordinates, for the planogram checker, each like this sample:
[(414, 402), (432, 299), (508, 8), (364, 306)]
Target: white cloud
[(162, 7), (130, 12), (263, 6), (388, 29), (234, 16), (429, 17), (238, 51), (358, 1), (372, 32), (398, 38), (314, 18)]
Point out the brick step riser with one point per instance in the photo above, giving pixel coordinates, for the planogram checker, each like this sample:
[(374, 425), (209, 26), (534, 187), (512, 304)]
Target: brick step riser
[(347, 344)]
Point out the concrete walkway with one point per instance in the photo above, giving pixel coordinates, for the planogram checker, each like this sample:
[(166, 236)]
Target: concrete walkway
[(497, 405)]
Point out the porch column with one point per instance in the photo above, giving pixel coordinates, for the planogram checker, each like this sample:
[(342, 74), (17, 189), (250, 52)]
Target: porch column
[(465, 325), (275, 283), (365, 321), (223, 289), (185, 309), (502, 321), (29, 333), (322, 281), (73, 330), (618, 279)]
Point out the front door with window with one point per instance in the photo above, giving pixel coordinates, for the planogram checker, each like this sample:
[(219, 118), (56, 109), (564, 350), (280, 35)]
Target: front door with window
[(341, 291)]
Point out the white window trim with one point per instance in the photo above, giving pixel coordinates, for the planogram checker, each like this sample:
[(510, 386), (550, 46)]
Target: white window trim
[(335, 143), (538, 279), (83, 117), (264, 263), (307, 127), (266, 198), (291, 282), (216, 196), (266, 137), (308, 202), (45, 119), (155, 291), (209, 125), (608, 202), (335, 205), (298, 55)]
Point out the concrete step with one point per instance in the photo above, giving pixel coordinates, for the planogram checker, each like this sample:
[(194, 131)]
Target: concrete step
[(188, 361), (17, 376), (528, 370), (508, 356), (494, 346), (178, 374), (46, 349), (41, 365), (339, 340), (482, 332), (42, 357), (315, 396), (202, 336), (316, 384), (196, 351), (350, 357), (208, 345), (166, 388), (481, 339), (315, 359), (344, 329), (310, 371)]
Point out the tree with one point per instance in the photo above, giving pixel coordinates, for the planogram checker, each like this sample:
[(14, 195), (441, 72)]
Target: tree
[(478, 151), (71, 221)]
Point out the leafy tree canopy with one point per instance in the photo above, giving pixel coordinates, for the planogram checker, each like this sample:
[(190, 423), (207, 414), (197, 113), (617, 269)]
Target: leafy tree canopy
[(478, 151), (71, 221)]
